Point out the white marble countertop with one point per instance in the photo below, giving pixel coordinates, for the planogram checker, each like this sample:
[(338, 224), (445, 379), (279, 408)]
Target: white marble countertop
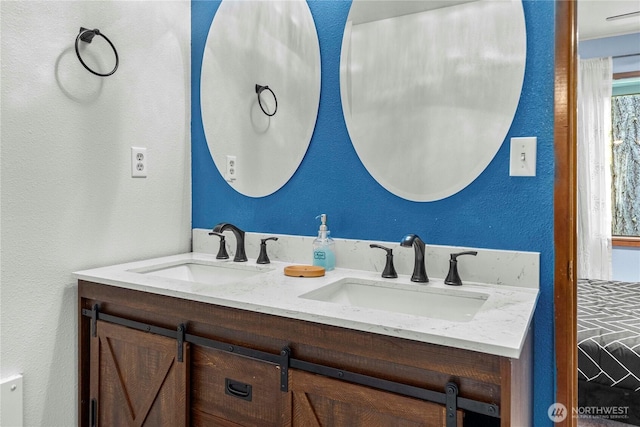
[(499, 327)]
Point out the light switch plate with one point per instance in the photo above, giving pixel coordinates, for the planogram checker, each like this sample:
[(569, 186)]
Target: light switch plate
[(523, 156)]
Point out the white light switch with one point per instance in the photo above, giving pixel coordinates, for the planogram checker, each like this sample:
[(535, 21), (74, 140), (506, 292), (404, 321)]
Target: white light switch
[(523, 156)]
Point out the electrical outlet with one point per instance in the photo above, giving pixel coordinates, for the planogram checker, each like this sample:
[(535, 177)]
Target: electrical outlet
[(11, 392), (138, 162), (231, 171), (523, 156)]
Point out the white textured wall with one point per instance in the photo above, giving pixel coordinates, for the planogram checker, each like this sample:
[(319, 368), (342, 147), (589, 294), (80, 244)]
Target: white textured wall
[(68, 201)]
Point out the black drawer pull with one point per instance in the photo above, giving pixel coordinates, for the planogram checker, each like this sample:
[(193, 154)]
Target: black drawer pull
[(237, 389)]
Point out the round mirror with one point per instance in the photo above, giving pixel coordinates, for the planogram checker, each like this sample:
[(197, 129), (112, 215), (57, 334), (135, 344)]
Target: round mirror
[(429, 89), (260, 91)]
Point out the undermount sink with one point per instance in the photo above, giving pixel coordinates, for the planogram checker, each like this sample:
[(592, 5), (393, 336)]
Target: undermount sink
[(419, 300), (210, 274)]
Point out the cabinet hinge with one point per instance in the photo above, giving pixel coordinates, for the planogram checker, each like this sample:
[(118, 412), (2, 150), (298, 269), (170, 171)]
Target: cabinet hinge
[(285, 354), (180, 339), (93, 408), (570, 270), (451, 391), (94, 320)]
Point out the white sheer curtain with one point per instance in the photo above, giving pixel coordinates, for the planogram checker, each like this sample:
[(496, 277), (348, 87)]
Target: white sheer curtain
[(594, 168)]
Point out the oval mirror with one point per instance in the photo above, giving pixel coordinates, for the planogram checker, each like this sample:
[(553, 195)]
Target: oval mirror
[(429, 89), (260, 91)]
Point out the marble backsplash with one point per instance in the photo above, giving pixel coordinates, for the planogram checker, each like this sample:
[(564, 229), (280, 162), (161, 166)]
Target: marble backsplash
[(499, 267)]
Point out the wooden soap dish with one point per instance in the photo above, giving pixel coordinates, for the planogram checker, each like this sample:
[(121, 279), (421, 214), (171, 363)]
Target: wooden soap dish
[(304, 271)]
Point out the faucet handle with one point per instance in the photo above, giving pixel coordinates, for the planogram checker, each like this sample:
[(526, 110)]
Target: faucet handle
[(389, 271), (263, 258), (222, 250), (453, 278)]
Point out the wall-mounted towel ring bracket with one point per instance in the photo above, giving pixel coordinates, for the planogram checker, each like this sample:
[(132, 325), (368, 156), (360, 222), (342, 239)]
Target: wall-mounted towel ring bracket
[(87, 36), (259, 90)]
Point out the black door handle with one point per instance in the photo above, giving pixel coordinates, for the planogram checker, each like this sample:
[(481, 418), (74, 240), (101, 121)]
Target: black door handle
[(237, 389)]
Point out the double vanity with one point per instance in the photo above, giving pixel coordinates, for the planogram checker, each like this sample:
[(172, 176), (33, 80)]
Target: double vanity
[(190, 339), (193, 340)]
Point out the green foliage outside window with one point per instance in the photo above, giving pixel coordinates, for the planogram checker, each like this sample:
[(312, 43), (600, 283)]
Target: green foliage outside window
[(625, 167)]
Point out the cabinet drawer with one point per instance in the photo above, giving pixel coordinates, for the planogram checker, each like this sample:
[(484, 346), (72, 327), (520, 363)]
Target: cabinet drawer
[(239, 389)]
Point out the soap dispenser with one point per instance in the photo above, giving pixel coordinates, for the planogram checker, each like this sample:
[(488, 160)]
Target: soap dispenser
[(324, 254)]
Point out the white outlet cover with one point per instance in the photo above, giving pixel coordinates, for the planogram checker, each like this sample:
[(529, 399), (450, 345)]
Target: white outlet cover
[(523, 156), (231, 170), (139, 162), (11, 401)]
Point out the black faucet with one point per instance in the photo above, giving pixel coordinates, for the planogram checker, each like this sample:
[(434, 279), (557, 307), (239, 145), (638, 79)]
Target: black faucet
[(389, 271), (453, 278), (263, 258), (419, 269), (222, 249), (224, 226)]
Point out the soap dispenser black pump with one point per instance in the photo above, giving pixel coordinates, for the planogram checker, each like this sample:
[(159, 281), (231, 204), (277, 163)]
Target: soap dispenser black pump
[(263, 258), (453, 278)]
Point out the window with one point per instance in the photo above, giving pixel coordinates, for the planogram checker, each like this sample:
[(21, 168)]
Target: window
[(625, 162)]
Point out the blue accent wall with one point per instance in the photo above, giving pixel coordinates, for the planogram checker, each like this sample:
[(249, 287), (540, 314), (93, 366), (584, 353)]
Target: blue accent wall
[(495, 211)]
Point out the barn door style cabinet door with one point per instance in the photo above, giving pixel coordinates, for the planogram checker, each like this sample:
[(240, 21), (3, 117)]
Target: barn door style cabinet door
[(319, 401), (136, 379)]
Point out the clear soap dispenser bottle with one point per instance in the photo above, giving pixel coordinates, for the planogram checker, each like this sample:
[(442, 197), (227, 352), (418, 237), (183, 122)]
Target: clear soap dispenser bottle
[(324, 254)]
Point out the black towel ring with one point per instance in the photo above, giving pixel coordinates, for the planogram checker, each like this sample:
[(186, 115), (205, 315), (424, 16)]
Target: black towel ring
[(259, 90), (86, 36)]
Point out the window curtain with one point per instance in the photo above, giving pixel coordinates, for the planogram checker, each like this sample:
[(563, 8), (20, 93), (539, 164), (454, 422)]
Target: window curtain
[(594, 168)]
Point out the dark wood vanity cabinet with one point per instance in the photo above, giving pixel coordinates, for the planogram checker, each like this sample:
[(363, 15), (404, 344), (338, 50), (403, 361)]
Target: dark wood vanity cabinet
[(134, 375)]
